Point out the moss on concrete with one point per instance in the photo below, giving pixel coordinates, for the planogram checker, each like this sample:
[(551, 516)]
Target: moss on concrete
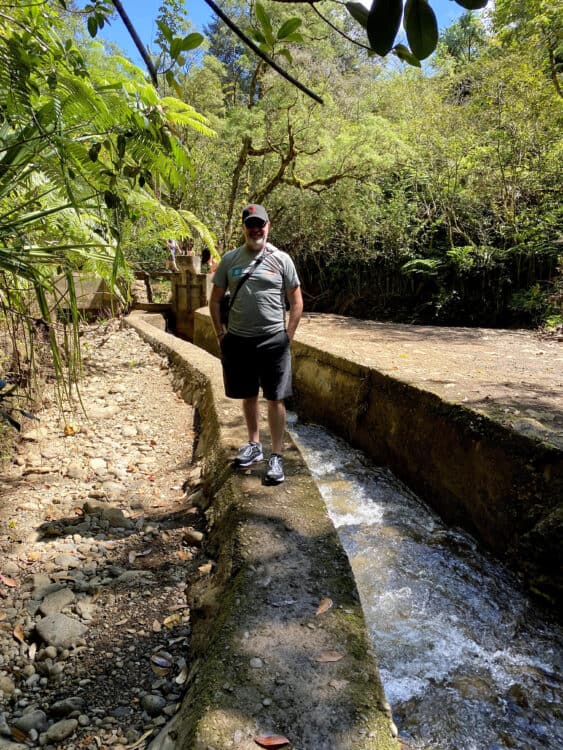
[(258, 645)]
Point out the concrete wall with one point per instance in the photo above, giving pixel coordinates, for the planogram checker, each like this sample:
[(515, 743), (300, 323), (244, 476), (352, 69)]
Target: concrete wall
[(277, 556), (503, 487)]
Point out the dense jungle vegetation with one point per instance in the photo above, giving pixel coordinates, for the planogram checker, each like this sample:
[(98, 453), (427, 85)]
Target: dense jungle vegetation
[(416, 193)]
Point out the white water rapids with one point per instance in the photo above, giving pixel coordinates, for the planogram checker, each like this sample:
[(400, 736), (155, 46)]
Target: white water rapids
[(467, 660)]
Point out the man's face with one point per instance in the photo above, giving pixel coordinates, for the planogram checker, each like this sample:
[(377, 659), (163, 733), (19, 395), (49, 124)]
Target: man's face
[(255, 234)]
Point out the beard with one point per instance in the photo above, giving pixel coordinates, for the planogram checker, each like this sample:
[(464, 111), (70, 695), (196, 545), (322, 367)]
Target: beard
[(255, 244)]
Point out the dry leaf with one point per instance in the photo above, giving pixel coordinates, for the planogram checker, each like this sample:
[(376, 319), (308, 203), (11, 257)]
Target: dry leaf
[(140, 741), (271, 740), (172, 620), (206, 568), (18, 734), (182, 677), (184, 555), (324, 605), (71, 429), (18, 633), (326, 656), (8, 581)]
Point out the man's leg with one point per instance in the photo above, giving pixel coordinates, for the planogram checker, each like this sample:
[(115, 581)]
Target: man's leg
[(276, 421), (251, 417)]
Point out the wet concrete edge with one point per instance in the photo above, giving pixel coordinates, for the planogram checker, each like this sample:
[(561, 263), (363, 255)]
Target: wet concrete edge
[(503, 487), (270, 545)]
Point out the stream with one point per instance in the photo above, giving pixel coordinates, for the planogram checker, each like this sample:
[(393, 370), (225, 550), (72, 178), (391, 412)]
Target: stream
[(467, 660)]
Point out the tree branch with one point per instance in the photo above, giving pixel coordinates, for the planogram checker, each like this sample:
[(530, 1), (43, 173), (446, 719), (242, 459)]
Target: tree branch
[(332, 26), (138, 43), (257, 51)]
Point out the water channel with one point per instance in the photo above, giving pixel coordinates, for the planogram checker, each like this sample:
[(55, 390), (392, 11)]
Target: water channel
[(467, 660)]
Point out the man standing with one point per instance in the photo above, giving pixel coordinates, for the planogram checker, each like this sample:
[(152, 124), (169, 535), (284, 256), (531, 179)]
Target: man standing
[(255, 349)]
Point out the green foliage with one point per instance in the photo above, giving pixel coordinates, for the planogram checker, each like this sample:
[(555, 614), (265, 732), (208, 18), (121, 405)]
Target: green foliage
[(80, 142)]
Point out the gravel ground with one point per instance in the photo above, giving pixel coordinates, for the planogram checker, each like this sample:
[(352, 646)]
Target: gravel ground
[(98, 544)]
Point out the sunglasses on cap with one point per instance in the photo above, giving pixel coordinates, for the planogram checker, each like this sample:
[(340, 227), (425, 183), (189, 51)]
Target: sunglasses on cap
[(254, 223)]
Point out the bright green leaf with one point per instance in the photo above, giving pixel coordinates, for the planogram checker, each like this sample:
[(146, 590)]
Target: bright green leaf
[(421, 27), (359, 13), (286, 29), (287, 54), (263, 17), (404, 54), (165, 30), (258, 36), (191, 41), (297, 37), (383, 24)]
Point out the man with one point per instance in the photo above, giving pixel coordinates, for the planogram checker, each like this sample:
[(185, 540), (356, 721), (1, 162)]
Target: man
[(255, 350), (172, 246)]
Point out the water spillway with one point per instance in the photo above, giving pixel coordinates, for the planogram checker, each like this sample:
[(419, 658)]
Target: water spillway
[(467, 659)]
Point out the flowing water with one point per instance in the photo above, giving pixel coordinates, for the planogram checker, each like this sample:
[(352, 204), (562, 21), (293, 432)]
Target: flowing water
[(468, 662)]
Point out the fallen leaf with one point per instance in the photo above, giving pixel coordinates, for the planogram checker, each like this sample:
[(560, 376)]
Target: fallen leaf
[(172, 620), (184, 555), (271, 740), (326, 656), (8, 581), (324, 605), (182, 677), (71, 429), (140, 741), (206, 568), (18, 633), (18, 734)]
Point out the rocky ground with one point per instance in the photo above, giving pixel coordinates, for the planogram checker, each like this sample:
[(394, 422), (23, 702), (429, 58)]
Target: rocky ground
[(98, 541)]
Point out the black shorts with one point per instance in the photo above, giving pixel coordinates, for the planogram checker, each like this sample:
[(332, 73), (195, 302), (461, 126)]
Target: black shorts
[(249, 363)]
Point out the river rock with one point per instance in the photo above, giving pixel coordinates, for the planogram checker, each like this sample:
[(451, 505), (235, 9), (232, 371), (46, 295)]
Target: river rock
[(152, 704), (66, 706), (7, 685), (34, 719), (60, 630), (55, 602), (61, 730)]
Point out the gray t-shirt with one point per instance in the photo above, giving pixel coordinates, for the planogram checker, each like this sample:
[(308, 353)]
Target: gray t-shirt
[(259, 307)]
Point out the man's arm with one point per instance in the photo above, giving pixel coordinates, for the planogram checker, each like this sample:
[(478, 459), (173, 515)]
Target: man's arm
[(217, 294), (295, 299)]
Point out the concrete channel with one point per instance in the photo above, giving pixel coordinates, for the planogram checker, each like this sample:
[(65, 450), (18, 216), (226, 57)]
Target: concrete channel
[(264, 663), (280, 642)]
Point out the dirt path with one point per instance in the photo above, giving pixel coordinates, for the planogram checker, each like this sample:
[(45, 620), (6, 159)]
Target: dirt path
[(97, 544)]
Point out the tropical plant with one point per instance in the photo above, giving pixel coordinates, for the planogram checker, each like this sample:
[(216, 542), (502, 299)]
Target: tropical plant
[(84, 150)]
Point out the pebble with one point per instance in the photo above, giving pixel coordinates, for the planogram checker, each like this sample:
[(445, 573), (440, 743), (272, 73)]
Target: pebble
[(71, 561)]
